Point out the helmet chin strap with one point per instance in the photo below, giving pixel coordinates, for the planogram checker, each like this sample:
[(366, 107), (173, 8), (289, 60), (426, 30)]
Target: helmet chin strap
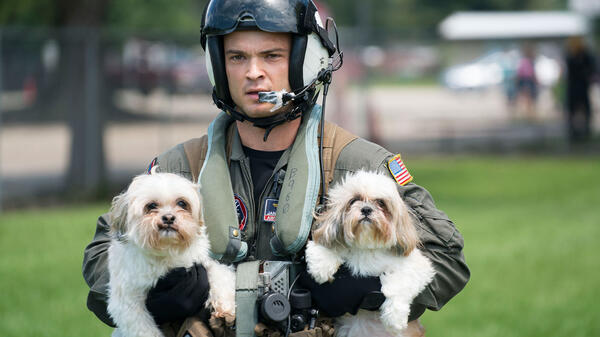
[(290, 105), (288, 111)]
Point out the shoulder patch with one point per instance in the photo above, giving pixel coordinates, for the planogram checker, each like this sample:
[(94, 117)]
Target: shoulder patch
[(399, 171), (242, 211), (152, 165)]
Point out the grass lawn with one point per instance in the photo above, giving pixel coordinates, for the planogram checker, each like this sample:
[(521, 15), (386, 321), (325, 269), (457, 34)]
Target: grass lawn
[(529, 226), (43, 292), (531, 229)]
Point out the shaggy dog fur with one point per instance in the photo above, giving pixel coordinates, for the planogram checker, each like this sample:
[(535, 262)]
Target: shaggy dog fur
[(367, 226), (157, 226)]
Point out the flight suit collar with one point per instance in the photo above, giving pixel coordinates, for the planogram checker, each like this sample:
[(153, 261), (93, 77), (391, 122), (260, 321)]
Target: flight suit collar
[(237, 152)]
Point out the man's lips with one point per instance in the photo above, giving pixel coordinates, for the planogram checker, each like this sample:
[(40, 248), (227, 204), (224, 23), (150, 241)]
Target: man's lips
[(253, 93)]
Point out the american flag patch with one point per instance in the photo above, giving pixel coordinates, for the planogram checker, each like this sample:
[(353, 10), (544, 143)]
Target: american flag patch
[(399, 171), (152, 164)]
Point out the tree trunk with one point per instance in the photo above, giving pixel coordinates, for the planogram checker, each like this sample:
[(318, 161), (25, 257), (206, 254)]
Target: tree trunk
[(81, 87)]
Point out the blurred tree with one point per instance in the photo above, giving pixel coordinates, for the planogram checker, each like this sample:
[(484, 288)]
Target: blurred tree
[(81, 89), (78, 88), (172, 16), (392, 19), (27, 12)]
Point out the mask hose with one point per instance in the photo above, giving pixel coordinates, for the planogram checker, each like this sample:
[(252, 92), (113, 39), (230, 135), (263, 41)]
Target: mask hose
[(326, 81)]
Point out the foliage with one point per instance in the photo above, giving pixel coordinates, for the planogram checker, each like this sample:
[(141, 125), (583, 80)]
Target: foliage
[(393, 18), (176, 16), (27, 12), (419, 18), (530, 227)]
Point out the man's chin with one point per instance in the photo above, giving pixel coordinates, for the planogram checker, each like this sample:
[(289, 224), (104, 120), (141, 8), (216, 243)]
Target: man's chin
[(259, 110)]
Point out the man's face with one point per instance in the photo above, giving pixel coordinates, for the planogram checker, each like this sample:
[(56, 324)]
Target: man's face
[(256, 61)]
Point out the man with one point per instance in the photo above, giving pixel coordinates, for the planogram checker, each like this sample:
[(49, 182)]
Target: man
[(261, 170), (580, 74)]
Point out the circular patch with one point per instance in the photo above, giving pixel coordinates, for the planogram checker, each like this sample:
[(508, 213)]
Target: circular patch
[(242, 211)]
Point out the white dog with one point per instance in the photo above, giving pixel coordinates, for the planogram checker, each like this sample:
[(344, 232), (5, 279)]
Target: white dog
[(157, 226), (367, 226)]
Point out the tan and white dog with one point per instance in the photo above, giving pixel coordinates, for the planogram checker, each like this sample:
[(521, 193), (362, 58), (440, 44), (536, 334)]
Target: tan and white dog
[(157, 225), (367, 226)]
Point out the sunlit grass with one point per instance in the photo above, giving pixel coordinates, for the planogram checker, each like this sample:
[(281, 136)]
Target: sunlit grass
[(530, 227), (43, 292)]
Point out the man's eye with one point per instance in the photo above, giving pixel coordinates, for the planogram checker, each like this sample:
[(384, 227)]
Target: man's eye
[(236, 57), (182, 204)]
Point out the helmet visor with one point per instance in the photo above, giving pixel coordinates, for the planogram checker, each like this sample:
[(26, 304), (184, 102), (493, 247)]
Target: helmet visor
[(285, 16)]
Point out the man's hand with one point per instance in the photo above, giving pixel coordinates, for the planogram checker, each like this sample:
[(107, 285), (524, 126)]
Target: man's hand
[(179, 294), (346, 294)]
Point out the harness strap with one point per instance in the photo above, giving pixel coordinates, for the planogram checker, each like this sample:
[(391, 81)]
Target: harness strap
[(195, 150), (246, 294), (334, 142)]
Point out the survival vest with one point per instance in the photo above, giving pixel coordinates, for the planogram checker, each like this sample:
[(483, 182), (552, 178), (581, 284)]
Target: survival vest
[(298, 196)]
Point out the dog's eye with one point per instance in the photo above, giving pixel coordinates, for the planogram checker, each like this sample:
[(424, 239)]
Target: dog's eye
[(353, 200), (182, 204), (151, 206), (381, 203)]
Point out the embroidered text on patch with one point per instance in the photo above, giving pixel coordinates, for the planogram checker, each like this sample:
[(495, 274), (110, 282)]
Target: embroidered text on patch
[(270, 210), (399, 171)]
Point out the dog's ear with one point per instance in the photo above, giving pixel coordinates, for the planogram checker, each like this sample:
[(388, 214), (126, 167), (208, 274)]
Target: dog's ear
[(118, 215), (406, 232), (328, 227), (199, 211)]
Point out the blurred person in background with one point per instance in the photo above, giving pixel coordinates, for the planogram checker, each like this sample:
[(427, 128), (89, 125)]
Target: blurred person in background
[(508, 62), (265, 144), (581, 69), (527, 84)]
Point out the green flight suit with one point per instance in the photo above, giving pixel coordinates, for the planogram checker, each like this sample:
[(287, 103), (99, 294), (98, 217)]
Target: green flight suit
[(441, 240)]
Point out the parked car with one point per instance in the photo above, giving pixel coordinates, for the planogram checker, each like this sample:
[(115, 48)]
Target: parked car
[(496, 68)]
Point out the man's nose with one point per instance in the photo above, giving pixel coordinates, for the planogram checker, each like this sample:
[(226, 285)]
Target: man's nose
[(255, 70)]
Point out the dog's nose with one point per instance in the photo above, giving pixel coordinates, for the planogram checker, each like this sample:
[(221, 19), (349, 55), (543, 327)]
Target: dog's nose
[(366, 210), (168, 219)]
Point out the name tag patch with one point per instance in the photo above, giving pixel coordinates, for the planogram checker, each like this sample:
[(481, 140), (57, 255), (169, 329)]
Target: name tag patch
[(270, 210)]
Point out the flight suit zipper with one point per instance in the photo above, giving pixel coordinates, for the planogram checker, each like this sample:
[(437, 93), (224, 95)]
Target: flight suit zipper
[(249, 187)]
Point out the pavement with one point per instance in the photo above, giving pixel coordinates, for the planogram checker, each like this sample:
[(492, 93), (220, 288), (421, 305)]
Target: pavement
[(414, 120)]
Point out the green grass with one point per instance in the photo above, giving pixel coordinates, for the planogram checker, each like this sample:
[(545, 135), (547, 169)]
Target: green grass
[(43, 292), (530, 227)]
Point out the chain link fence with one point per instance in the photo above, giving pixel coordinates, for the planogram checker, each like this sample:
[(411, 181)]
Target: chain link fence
[(83, 110)]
